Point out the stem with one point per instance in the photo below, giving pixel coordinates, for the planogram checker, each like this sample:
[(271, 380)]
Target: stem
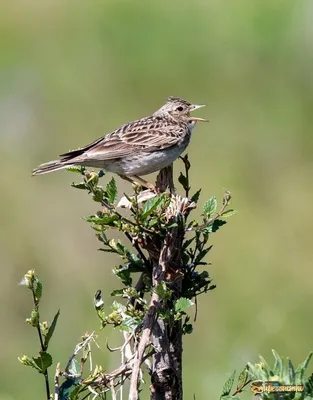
[(113, 210), (210, 221), (43, 348), (187, 167), (140, 286), (140, 252), (144, 342), (240, 389)]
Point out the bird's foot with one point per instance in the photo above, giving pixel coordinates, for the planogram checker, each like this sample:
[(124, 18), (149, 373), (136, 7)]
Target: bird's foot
[(140, 181)]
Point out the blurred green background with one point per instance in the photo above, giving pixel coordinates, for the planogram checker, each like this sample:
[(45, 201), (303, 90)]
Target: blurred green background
[(74, 70)]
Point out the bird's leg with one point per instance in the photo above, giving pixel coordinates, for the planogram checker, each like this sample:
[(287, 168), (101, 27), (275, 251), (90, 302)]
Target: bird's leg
[(138, 180), (144, 183), (126, 178)]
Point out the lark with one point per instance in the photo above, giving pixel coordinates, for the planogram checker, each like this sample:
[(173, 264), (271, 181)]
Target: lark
[(137, 148)]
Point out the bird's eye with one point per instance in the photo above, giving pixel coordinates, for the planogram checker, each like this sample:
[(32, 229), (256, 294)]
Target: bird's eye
[(180, 108)]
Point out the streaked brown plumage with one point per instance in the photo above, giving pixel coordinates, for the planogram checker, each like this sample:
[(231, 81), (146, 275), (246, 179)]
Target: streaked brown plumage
[(137, 148)]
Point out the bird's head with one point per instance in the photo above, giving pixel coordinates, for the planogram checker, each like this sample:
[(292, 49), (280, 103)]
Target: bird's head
[(179, 109)]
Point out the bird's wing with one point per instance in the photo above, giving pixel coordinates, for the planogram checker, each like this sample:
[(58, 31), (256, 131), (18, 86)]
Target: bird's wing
[(147, 134)]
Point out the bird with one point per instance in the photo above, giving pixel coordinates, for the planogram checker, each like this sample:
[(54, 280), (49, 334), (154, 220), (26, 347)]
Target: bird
[(137, 148)]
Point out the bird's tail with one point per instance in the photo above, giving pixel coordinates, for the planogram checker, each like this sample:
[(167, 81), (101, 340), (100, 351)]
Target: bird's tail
[(51, 166)]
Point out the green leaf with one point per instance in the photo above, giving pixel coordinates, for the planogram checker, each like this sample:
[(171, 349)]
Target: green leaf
[(98, 195), (150, 205), (74, 368), (187, 329), (172, 225), (162, 291), (123, 273), (291, 372), (69, 388), (188, 242), (129, 324), (217, 224), (117, 292), (135, 263), (116, 306), (202, 254), (182, 179), (182, 304), (278, 366), (228, 213), (228, 385), (266, 368), (301, 369), (80, 185), (37, 289), (51, 329), (210, 206), (196, 197), (308, 386), (44, 361), (242, 378), (256, 372), (111, 191), (75, 168), (104, 219)]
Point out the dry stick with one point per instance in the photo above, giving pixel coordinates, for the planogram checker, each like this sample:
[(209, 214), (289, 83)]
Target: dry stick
[(144, 342), (113, 394), (56, 382), (77, 349)]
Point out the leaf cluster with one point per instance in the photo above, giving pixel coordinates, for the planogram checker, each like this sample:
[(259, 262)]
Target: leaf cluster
[(147, 220), (45, 330), (144, 225), (282, 373)]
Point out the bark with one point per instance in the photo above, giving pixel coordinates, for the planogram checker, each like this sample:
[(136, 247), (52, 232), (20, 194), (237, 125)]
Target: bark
[(166, 336)]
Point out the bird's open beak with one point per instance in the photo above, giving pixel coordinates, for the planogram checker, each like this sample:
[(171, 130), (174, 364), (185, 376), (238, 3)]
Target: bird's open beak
[(194, 107)]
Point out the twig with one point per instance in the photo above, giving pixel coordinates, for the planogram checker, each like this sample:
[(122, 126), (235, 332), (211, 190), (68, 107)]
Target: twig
[(187, 168), (196, 309), (111, 349), (144, 341), (240, 389), (140, 252), (56, 382), (210, 221), (126, 348), (90, 358), (113, 394), (43, 347), (77, 349), (113, 210), (121, 348)]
